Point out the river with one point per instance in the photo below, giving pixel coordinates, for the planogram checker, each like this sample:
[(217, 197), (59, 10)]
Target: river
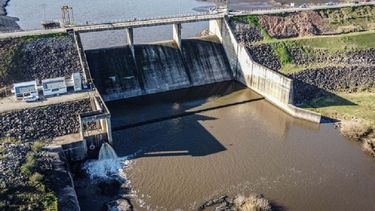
[(236, 143)]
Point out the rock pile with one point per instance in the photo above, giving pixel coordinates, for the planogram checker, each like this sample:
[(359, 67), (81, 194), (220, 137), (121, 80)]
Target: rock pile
[(295, 24), (264, 55), (38, 58), (43, 123), (338, 78), (12, 157), (239, 203), (360, 57), (312, 83), (245, 33)]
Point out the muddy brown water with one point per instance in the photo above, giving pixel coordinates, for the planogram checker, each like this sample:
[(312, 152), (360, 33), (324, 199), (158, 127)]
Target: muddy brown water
[(247, 147)]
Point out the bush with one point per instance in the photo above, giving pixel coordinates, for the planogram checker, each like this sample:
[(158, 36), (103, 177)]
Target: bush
[(253, 202), (29, 167), (36, 178), (354, 129), (37, 146), (50, 202), (368, 146)]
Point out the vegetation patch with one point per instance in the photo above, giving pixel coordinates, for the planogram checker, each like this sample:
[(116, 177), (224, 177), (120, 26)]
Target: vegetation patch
[(336, 106), (27, 188), (281, 50), (350, 19)]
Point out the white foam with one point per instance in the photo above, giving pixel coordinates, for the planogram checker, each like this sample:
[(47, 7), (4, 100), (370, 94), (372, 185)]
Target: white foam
[(106, 169)]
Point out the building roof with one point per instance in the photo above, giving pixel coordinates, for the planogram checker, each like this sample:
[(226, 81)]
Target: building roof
[(53, 80), (27, 83)]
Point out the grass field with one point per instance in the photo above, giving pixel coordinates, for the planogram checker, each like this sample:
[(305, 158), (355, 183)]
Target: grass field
[(338, 108)]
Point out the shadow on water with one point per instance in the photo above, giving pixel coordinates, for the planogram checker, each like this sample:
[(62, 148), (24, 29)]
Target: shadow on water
[(149, 111), (200, 143)]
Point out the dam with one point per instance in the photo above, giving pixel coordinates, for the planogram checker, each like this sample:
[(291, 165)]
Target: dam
[(158, 67), (181, 123), (192, 115)]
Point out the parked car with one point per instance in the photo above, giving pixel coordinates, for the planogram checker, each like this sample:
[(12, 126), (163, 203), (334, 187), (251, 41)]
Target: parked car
[(31, 98)]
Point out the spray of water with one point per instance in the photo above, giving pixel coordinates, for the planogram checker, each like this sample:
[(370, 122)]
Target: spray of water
[(108, 166)]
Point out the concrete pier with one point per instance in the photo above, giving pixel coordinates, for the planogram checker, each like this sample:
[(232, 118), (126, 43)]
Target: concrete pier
[(130, 38), (177, 34)]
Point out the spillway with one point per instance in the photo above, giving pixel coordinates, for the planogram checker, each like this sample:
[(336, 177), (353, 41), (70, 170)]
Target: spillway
[(158, 67)]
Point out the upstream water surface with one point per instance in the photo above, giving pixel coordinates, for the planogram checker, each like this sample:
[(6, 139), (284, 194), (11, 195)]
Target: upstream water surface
[(32, 12), (236, 144)]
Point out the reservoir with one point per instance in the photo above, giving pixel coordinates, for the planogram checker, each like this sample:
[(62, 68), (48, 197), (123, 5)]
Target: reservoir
[(99, 11)]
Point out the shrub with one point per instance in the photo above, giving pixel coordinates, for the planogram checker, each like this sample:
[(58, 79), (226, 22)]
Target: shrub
[(50, 202), (354, 129), (253, 202), (36, 178), (30, 165), (368, 146), (37, 146)]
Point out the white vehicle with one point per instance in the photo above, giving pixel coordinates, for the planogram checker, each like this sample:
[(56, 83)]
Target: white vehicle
[(31, 98)]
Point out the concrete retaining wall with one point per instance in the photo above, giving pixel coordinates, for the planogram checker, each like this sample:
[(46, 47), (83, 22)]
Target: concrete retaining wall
[(274, 86)]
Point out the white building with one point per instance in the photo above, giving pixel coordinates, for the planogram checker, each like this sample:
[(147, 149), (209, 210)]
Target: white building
[(54, 86), (25, 89)]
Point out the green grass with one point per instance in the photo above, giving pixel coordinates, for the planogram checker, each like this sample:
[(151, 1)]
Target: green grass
[(352, 41), (33, 194), (337, 106), (281, 50), (331, 44)]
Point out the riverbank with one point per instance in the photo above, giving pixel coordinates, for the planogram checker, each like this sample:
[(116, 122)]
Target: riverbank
[(329, 54), (7, 24)]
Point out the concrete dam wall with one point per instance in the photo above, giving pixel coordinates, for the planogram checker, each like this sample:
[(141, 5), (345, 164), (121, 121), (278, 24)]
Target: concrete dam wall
[(158, 67), (274, 86)]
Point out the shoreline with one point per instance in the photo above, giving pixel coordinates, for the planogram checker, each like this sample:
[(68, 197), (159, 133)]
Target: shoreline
[(7, 23)]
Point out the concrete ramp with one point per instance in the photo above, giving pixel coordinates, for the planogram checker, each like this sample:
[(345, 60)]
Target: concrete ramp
[(161, 67), (205, 60), (115, 73)]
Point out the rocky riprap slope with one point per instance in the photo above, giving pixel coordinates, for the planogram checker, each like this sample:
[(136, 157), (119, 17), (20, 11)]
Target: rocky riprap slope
[(359, 57), (12, 157), (26, 59), (313, 83), (264, 55), (43, 123), (319, 22), (245, 33), (295, 24)]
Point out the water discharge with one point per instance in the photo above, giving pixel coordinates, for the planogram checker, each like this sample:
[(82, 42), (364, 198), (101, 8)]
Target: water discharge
[(107, 152)]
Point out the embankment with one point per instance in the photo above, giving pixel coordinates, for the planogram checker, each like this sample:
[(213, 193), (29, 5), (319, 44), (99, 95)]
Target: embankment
[(7, 24), (43, 122), (158, 67), (31, 58)]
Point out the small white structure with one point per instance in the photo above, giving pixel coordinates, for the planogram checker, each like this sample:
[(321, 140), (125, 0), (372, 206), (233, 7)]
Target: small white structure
[(54, 86), (25, 90), (77, 81)]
